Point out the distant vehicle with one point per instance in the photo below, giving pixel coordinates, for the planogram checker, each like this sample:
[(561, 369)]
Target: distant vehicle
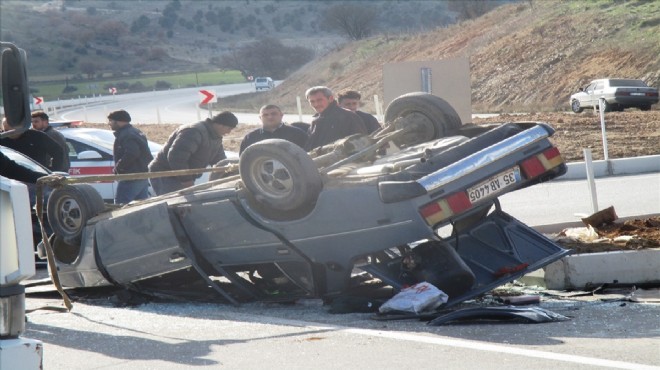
[(618, 93), (263, 83), (90, 154)]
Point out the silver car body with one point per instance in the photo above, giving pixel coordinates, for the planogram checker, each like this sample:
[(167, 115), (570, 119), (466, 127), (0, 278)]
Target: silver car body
[(618, 93)]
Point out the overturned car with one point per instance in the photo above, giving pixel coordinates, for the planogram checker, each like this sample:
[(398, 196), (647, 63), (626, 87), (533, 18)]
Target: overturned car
[(295, 225)]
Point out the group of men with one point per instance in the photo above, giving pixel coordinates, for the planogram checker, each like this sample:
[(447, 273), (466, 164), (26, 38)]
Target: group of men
[(198, 145)]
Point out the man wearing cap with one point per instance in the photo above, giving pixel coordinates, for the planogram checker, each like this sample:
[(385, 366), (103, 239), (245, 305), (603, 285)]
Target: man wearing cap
[(132, 155), (192, 146), (40, 123)]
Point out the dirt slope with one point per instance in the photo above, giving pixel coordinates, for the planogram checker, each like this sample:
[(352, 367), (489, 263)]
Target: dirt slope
[(522, 57)]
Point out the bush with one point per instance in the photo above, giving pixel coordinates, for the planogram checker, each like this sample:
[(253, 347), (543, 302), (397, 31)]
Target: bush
[(162, 85), (69, 89)]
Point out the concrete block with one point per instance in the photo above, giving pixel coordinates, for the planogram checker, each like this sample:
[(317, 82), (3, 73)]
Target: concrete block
[(592, 269)]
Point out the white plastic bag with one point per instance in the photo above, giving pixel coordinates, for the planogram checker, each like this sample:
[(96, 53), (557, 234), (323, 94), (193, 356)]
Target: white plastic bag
[(418, 298)]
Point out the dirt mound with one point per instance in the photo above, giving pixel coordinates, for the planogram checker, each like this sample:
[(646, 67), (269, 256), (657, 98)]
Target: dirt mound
[(629, 235)]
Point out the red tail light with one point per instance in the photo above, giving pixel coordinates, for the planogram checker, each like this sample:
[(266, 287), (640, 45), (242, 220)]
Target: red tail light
[(541, 163), (622, 93)]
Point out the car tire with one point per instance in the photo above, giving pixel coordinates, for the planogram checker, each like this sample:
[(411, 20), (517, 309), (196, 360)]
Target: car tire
[(70, 207), (575, 106), (645, 108), (280, 175), (437, 117)]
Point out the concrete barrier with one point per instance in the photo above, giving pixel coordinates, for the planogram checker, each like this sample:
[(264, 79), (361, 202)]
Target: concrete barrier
[(613, 167)]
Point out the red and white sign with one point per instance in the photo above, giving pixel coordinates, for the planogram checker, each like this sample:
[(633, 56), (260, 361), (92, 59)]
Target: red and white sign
[(38, 100), (250, 78), (208, 96), (112, 90)]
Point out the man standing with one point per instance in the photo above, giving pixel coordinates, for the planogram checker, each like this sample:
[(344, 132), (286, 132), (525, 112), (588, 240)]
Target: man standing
[(132, 155), (36, 145), (40, 123), (350, 99), (273, 128), (331, 122), (192, 146)]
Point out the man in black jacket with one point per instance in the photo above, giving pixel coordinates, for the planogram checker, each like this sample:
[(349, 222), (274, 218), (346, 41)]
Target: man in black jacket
[(331, 122), (132, 155), (192, 146), (40, 123), (350, 99), (272, 127), (36, 145)]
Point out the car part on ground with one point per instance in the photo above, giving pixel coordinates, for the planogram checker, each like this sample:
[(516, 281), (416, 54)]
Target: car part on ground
[(368, 206)]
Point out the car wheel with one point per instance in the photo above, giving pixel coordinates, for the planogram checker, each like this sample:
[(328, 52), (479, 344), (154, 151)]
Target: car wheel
[(575, 106), (645, 107), (70, 207), (607, 107), (280, 175), (434, 117)]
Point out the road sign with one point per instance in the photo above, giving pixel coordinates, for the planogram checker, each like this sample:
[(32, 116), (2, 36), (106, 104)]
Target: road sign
[(208, 96), (250, 78), (112, 90), (38, 100)]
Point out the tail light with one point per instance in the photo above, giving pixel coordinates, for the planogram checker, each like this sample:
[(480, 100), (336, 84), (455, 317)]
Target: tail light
[(444, 208), (622, 93), (540, 163)]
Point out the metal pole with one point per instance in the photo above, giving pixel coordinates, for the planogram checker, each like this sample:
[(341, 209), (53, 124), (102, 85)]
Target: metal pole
[(601, 106), (590, 179), (299, 108), (379, 111)]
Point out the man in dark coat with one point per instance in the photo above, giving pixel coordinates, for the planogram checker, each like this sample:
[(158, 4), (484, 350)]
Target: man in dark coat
[(331, 122), (350, 99), (192, 146), (13, 170), (273, 128), (131, 155), (36, 145), (40, 123)]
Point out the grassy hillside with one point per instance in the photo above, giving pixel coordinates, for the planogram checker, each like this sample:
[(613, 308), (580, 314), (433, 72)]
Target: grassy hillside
[(528, 56)]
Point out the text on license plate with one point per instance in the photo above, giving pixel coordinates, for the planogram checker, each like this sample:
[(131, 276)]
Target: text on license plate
[(494, 185), (637, 94)]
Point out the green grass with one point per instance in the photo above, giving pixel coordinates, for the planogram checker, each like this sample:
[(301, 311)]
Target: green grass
[(52, 90)]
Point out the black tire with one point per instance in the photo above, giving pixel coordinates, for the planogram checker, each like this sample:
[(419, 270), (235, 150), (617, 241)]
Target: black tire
[(70, 207), (437, 117), (575, 106), (607, 107), (280, 175), (645, 108)]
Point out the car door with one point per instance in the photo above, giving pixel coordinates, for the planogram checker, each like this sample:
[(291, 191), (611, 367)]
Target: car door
[(89, 161), (586, 99)]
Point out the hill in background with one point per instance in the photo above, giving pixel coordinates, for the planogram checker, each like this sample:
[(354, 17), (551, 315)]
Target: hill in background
[(525, 56)]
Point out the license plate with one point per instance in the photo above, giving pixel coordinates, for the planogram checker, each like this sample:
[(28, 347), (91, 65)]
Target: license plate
[(494, 185), (638, 94)]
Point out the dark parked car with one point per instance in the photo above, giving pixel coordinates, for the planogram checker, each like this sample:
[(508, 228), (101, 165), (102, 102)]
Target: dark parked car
[(297, 224), (618, 93)]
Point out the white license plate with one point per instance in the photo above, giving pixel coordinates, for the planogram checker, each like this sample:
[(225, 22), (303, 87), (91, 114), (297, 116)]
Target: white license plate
[(638, 94), (494, 185)]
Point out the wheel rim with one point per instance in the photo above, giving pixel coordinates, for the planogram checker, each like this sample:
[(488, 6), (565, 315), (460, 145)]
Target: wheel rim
[(420, 128), (70, 214), (272, 177), (576, 105)]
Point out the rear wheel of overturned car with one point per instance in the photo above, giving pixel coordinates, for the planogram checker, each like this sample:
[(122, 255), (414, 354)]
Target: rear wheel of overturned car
[(575, 106), (431, 115), (70, 207), (280, 176)]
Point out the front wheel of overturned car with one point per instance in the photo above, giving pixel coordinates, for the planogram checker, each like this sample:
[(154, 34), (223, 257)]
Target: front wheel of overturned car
[(280, 175), (432, 116), (70, 207)]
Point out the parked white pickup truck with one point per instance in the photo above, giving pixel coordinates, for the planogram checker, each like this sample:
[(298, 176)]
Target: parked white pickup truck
[(618, 93)]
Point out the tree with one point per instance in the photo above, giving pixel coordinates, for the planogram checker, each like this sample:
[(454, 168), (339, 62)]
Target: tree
[(468, 9), (266, 57), (354, 21), (89, 68)]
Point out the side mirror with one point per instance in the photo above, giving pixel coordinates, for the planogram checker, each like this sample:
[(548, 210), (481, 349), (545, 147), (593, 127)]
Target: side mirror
[(89, 155), (14, 83)]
